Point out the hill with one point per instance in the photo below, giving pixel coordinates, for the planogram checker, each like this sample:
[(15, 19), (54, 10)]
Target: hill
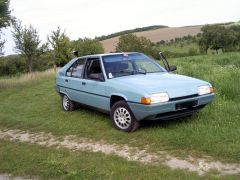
[(156, 35), (147, 28)]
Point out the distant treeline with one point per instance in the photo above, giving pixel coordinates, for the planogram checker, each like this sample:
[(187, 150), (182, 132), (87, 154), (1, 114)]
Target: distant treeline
[(147, 28)]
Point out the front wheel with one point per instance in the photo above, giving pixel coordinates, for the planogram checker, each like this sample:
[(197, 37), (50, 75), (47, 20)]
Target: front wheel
[(123, 118)]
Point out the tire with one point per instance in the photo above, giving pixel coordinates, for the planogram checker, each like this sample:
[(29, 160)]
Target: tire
[(67, 104), (123, 118)]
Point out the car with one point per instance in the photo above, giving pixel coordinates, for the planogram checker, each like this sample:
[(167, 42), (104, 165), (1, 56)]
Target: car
[(131, 87)]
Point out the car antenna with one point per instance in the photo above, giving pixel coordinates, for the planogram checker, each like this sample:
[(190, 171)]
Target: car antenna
[(165, 62)]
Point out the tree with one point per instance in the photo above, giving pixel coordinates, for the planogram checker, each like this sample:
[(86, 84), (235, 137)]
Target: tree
[(218, 37), (88, 46), (5, 19), (131, 42), (62, 48), (2, 42), (28, 43), (206, 38)]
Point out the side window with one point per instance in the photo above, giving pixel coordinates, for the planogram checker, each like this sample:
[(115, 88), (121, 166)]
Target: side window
[(69, 72), (93, 70), (76, 69)]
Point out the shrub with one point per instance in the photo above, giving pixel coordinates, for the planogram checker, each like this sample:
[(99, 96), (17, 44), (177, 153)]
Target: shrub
[(192, 52)]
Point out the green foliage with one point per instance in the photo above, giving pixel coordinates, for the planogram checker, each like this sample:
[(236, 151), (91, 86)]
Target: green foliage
[(12, 65), (148, 28), (192, 52), (62, 48), (218, 37), (5, 17), (15, 64), (179, 47), (28, 43), (88, 46), (2, 42), (132, 43)]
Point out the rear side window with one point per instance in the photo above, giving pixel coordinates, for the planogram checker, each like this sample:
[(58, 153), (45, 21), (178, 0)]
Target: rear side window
[(76, 69)]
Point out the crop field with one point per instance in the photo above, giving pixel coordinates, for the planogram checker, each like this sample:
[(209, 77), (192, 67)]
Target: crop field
[(156, 35), (34, 106)]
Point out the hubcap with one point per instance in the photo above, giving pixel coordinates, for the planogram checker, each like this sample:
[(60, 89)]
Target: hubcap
[(65, 102), (122, 118)]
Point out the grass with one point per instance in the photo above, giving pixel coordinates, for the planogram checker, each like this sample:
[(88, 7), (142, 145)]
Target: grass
[(8, 82), (45, 163), (177, 48), (184, 49), (214, 131)]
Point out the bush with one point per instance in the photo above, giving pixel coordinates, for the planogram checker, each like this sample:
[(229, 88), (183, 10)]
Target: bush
[(132, 43), (192, 52), (15, 64)]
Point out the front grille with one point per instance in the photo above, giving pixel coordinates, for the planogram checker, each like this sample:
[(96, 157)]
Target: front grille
[(183, 97), (179, 113)]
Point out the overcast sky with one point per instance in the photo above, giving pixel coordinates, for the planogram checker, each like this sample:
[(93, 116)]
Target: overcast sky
[(90, 18)]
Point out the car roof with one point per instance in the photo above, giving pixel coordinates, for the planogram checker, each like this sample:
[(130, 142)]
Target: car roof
[(106, 54)]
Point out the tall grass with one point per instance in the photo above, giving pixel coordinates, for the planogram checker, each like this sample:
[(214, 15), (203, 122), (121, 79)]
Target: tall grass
[(24, 79)]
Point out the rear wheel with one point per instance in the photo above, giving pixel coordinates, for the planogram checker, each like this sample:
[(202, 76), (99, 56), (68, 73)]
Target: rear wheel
[(67, 104), (123, 118)]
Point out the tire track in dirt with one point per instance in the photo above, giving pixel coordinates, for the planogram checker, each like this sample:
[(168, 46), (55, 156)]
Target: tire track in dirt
[(73, 143)]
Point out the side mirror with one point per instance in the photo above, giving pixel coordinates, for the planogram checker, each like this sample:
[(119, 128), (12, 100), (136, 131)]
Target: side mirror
[(161, 55), (76, 53), (172, 68)]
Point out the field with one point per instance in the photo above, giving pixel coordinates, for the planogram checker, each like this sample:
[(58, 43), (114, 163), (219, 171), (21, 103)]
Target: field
[(156, 35), (34, 106)]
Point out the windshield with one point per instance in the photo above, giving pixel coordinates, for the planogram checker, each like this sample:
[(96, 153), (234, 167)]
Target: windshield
[(129, 64)]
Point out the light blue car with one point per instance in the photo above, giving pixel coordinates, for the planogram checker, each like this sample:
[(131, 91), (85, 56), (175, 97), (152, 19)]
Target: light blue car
[(131, 87)]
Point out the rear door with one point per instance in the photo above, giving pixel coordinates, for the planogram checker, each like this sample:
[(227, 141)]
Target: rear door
[(94, 85), (74, 79)]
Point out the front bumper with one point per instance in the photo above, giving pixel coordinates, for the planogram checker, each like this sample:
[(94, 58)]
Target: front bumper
[(168, 110)]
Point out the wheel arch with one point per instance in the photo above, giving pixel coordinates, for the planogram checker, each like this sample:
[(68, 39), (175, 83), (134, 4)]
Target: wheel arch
[(115, 98)]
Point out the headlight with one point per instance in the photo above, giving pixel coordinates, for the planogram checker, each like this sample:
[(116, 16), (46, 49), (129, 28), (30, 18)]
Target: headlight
[(205, 90), (155, 98)]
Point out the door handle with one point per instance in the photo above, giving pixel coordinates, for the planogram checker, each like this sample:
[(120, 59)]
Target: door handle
[(84, 83), (66, 80)]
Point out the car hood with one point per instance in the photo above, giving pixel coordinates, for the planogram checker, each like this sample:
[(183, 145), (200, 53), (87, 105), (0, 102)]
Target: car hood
[(175, 85)]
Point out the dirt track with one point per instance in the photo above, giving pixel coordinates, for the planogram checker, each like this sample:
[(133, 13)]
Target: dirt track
[(73, 143)]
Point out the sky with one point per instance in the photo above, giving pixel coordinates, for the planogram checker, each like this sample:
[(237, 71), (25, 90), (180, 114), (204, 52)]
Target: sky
[(90, 18)]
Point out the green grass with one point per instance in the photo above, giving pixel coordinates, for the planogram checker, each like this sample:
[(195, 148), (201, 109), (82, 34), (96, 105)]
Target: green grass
[(177, 48), (183, 49), (32, 160), (214, 131)]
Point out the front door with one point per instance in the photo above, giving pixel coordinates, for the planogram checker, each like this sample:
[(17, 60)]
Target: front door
[(94, 85)]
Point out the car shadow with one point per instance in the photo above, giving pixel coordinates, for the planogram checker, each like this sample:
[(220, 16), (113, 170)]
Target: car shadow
[(146, 124)]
